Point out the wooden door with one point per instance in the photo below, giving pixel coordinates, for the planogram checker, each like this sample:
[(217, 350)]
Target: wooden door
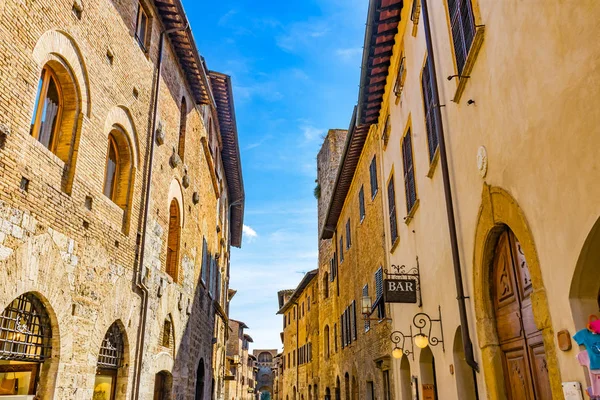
[(524, 358)]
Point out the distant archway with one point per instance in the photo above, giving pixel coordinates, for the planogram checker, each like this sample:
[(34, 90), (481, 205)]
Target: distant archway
[(200, 381)]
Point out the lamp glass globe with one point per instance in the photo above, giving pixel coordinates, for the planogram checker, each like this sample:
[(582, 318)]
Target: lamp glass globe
[(421, 341), (397, 353)]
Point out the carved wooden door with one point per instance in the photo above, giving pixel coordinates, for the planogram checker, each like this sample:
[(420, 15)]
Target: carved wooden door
[(523, 355)]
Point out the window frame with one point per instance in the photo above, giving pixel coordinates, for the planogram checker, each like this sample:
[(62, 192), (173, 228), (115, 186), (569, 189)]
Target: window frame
[(47, 75), (143, 42), (348, 235), (456, 15), (175, 274), (112, 143), (182, 128)]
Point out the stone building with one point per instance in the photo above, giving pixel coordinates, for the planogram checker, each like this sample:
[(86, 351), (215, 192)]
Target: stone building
[(240, 372), (277, 376), (301, 339), (121, 195), (266, 372), (489, 164)]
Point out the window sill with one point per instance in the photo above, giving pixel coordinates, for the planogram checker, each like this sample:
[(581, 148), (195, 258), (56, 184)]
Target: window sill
[(470, 62), (412, 212), (394, 245), (434, 162)]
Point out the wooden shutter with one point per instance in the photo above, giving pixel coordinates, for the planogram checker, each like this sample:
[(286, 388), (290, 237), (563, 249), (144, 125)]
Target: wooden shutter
[(428, 104), (354, 327), (463, 30), (204, 261), (373, 172), (409, 173), (361, 202), (342, 337), (348, 237), (365, 292), (341, 249), (392, 210)]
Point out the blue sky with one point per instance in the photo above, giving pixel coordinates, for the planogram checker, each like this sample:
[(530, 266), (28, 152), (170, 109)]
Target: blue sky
[(295, 67)]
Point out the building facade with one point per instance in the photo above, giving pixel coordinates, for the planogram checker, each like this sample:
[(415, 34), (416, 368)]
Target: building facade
[(122, 194), (240, 369), (480, 190)]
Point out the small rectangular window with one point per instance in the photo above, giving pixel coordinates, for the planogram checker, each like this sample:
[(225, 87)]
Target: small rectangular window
[(361, 203), (348, 237), (392, 211), (141, 30), (373, 174), (341, 249)]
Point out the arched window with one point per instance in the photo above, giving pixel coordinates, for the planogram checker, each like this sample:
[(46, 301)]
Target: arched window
[(49, 102), (167, 334), (326, 344), (173, 240), (25, 343), (335, 342), (110, 359), (326, 285), (182, 127), (117, 174), (265, 357), (56, 109)]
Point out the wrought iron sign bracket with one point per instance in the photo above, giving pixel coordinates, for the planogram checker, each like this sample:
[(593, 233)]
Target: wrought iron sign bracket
[(397, 337), (423, 321)]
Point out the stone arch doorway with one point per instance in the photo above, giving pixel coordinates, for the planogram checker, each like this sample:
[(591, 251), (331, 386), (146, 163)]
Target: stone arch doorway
[(428, 375), (163, 382), (25, 347), (584, 293), (465, 376), (405, 379), (498, 213), (521, 343), (338, 390), (347, 386), (200, 381)]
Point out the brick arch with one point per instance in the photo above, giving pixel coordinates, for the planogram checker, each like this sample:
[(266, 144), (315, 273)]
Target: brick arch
[(120, 116), (498, 208), (37, 267), (61, 44)]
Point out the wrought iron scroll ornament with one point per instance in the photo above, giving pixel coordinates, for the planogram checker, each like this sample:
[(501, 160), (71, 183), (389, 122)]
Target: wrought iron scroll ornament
[(398, 337), (423, 322), (404, 272)]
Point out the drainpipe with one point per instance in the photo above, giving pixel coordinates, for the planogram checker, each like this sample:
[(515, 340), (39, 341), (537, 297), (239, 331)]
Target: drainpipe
[(140, 270), (460, 294)]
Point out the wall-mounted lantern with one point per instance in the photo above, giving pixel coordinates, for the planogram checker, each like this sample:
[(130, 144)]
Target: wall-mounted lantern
[(423, 338)]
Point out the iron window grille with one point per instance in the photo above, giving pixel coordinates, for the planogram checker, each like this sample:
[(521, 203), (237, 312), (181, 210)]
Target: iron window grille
[(409, 173), (111, 350), (25, 331), (431, 122), (463, 30)]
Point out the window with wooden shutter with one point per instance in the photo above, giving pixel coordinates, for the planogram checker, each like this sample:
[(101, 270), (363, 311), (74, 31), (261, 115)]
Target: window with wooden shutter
[(379, 302), (341, 249), (462, 23), (354, 327), (392, 210), (348, 237), (399, 84), (204, 274), (342, 336), (173, 237), (431, 123), (409, 172), (361, 203), (373, 175)]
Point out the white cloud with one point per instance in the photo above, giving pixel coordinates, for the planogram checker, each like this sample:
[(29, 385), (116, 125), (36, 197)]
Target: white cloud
[(249, 232), (311, 133), (349, 54)]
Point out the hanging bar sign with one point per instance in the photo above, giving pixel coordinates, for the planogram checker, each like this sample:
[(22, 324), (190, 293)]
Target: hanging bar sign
[(400, 290)]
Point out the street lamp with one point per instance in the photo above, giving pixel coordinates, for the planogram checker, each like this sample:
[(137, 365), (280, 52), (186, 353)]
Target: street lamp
[(366, 305), (421, 340)]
